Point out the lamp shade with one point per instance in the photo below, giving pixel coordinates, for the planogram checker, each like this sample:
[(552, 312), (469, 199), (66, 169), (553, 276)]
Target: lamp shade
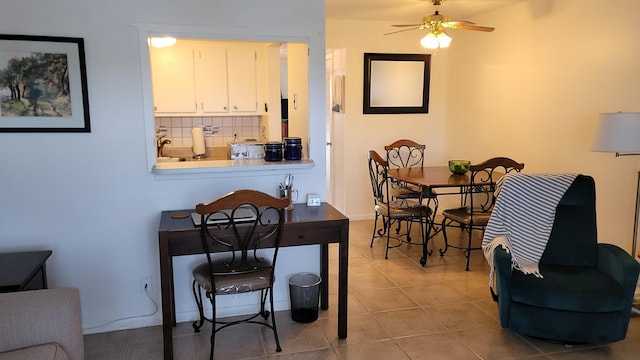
[(430, 41), (618, 132), (444, 40)]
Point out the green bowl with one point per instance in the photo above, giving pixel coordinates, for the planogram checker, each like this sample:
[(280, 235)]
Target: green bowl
[(459, 166)]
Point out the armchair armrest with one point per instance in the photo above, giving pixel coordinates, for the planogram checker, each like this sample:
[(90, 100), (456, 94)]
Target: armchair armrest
[(616, 263), (36, 317)]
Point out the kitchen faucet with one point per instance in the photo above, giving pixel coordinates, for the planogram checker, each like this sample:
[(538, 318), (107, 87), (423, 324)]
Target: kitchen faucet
[(160, 143)]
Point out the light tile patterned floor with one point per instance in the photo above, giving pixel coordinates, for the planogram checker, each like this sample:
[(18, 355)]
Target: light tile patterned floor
[(397, 310)]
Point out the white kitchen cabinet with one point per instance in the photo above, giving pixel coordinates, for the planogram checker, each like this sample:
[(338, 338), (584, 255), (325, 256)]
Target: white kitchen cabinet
[(226, 80), (211, 79), (242, 69), (173, 79), (223, 81)]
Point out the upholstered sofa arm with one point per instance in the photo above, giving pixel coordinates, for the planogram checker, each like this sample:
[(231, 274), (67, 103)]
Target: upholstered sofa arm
[(616, 263), (502, 281), (36, 317)]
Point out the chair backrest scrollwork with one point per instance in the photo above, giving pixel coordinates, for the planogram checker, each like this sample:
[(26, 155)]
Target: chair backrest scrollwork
[(405, 153), (240, 224), (378, 174), (482, 183)]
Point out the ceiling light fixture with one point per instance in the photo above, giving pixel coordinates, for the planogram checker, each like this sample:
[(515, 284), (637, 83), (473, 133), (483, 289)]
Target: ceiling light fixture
[(436, 39), (160, 42)]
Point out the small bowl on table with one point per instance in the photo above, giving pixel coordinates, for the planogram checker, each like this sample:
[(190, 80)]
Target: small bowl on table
[(459, 166)]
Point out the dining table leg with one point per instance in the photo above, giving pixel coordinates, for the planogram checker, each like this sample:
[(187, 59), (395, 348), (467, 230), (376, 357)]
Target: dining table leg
[(429, 225)]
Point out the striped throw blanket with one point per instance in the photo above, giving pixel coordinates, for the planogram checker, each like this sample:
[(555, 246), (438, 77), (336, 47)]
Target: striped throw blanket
[(523, 216)]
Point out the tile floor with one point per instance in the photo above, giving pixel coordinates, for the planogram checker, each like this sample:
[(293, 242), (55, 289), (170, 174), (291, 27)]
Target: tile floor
[(397, 310)]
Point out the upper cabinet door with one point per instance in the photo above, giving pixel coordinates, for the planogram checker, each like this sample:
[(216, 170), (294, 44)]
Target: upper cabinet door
[(205, 78), (211, 79), (243, 79), (172, 76)]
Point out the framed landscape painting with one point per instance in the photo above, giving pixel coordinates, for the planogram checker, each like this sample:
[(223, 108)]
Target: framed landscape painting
[(43, 84)]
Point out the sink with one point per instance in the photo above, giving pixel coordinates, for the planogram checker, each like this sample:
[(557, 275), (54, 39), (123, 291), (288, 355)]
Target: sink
[(163, 159)]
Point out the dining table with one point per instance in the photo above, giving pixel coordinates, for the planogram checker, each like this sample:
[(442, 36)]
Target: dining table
[(440, 178)]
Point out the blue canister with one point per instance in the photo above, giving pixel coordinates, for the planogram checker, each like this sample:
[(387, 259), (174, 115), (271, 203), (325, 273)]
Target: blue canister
[(273, 151), (292, 148)]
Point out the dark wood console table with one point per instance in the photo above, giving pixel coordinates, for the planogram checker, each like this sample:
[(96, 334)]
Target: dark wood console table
[(23, 271), (305, 225)]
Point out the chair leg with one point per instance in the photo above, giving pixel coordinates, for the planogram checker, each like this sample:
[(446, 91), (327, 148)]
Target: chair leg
[(212, 298), (425, 241), (197, 295), (409, 223), (375, 227), (443, 228), (432, 231), (263, 300), (469, 247), (388, 231), (273, 321)]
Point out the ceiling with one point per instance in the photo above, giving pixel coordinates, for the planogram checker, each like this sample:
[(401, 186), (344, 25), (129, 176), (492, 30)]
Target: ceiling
[(410, 11)]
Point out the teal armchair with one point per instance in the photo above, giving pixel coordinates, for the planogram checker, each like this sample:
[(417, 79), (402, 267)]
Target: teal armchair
[(587, 289)]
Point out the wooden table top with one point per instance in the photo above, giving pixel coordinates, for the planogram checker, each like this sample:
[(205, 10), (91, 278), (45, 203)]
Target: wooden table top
[(16, 269), (434, 176)]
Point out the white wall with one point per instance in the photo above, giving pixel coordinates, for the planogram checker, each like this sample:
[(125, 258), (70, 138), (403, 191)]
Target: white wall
[(90, 197), (531, 90), (362, 133), (535, 88)]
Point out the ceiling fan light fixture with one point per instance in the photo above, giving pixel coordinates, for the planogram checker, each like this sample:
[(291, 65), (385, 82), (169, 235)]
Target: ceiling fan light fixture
[(430, 41), (434, 40), (436, 24), (444, 40)]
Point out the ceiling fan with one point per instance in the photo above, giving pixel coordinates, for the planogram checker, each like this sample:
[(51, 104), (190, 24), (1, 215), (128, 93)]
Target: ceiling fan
[(436, 25)]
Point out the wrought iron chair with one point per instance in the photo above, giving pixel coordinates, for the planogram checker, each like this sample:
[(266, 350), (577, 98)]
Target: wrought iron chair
[(405, 153), (239, 224), (477, 201), (392, 210)]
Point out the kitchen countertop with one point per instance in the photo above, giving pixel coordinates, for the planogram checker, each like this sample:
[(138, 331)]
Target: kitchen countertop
[(213, 153), (217, 163), (236, 166)]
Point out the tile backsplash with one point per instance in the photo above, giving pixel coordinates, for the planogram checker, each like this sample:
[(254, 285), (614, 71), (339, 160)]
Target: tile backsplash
[(219, 130)]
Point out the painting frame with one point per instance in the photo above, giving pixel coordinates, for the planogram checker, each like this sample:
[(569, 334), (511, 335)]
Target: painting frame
[(43, 84), (396, 83)]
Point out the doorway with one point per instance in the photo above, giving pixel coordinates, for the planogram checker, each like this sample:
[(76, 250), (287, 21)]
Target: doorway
[(335, 62)]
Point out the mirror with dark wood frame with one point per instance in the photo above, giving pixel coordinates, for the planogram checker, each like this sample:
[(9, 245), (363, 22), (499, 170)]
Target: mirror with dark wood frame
[(396, 83)]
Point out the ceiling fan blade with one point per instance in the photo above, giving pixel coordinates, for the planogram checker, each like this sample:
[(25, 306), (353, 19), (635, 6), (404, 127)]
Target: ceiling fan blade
[(472, 27), (456, 22), (405, 25), (403, 30)]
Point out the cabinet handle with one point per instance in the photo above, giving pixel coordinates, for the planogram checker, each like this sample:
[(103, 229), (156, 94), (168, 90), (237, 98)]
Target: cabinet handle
[(226, 108), (235, 108)]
